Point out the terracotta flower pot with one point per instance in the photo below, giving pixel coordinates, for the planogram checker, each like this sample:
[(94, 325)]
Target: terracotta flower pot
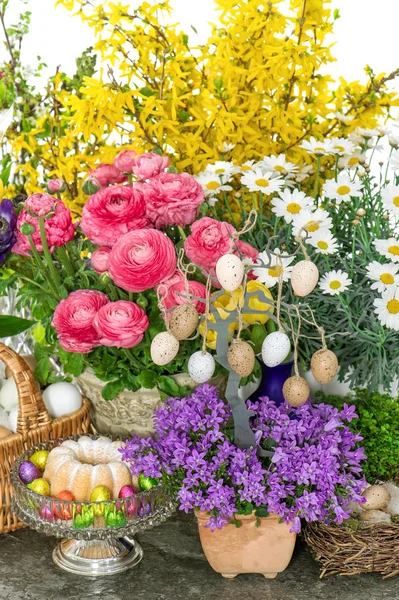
[(232, 550)]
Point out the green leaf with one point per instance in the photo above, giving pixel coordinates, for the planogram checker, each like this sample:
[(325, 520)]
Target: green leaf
[(261, 512), (147, 379), (42, 369), (168, 385), (74, 364), (112, 389), (258, 334), (10, 326)]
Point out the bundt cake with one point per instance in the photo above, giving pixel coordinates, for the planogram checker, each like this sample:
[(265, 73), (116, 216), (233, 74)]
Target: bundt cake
[(82, 465)]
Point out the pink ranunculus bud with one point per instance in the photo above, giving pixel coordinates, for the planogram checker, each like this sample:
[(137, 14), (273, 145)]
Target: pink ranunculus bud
[(121, 324), (106, 174), (55, 186), (125, 161), (149, 165), (91, 185), (73, 320), (142, 259), (112, 212), (99, 259), (172, 199), (210, 239)]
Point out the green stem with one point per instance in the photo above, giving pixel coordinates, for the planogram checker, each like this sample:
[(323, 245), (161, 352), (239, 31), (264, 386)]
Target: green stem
[(353, 251), (131, 296), (37, 285), (355, 327), (336, 167), (182, 233), (66, 263), (47, 254), (316, 183), (38, 259), (261, 216), (133, 360)]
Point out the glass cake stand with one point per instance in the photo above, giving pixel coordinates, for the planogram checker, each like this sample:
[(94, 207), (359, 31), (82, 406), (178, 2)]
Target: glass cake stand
[(97, 536)]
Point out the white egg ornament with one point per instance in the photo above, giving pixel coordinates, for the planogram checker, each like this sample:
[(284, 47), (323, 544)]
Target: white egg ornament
[(275, 348), (304, 278), (61, 399), (164, 348), (201, 366), (9, 394), (296, 391), (183, 321), (230, 272), (324, 365)]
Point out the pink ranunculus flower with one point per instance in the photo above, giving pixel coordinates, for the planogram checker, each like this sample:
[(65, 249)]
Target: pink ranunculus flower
[(142, 259), (56, 185), (111, 212), (125, 161), (59, 227), (172, 199), (106, 174), (99, 259), (149, 165), (177, 295), (121, 324), (73, 320)]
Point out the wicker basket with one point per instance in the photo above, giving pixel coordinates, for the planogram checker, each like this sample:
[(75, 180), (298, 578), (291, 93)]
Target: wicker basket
[(34, 426), (354, 548)]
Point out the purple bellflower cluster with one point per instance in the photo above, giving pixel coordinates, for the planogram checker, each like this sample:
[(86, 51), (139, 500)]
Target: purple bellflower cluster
[(314, 473)]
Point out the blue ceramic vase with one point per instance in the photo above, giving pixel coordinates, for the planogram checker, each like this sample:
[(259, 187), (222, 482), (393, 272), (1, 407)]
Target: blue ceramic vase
[(272, 382)]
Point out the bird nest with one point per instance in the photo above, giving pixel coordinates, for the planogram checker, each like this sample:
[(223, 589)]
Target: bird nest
[(355, 547)]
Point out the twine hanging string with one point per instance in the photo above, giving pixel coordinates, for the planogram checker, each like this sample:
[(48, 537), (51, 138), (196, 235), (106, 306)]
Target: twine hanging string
[(185, 270), (320, 330), (299, 239), (295, 337), (239, 307), (248, 226), (279, 268), (207, 310), (162, 288)]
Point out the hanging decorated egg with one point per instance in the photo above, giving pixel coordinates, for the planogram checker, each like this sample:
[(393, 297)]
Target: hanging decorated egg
[(241, 358), (164, 348), (201, 366), (28, 472), (61, 399), (324, 365), (296, 391), (184, 321), (275, 348), (230, 272), (39, 459), (304, 278)]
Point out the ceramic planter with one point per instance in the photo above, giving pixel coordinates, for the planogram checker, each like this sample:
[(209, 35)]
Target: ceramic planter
[(266, 549)]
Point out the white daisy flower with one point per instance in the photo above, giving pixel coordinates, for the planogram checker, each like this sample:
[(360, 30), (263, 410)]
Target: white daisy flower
[(290, 204), (344, 118), (343, 189), (334, 282), (311, 221), (257, 181), (384, 276), (388, 248), (226, 147), (317, 147), (249, 165), (367, 133), (394, 160), (222, 169), (323, 241), (278, 164), (342, 146), (352, 161), (211, 184), (387, 308), (393, 139), (390, 199), (269, 276)]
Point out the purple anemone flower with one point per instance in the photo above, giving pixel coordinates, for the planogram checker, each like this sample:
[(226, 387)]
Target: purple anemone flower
[(8, 221)]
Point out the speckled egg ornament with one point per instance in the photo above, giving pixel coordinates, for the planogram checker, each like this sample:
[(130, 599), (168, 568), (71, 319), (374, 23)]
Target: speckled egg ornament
[(201, 366), (377, 497), (164, 348), (304, 278), (241, 358), (230, 272), (324, 365), (296, 391), (275, 348), (184, 321)]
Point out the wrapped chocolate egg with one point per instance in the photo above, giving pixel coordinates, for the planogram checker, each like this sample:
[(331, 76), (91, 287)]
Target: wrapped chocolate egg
[(146, 483), (184, 321), (164, 348), (64, 513), (201, 366), (296, 391), (377, 497), (126, 491), (39, 459), (230, 272), (40, 486), (324, 365), (28, 472), (304, 278), (275, 348), (241, 358)]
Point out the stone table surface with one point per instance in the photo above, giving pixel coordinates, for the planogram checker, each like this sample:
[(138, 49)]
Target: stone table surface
[(173, 568)]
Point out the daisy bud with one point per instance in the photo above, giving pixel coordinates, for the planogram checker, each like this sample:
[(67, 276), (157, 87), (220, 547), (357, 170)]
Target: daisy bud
[(385, 217), (345, 207), (356, 222), (367, 169), (361, 212), (331, 205), (375, 185), (381, 163), (361, 172), (322, 169), (237, 195), (387, 181)]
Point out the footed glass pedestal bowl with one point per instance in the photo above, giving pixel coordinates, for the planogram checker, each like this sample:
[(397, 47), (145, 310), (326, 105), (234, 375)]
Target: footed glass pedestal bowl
[(97, 536)]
